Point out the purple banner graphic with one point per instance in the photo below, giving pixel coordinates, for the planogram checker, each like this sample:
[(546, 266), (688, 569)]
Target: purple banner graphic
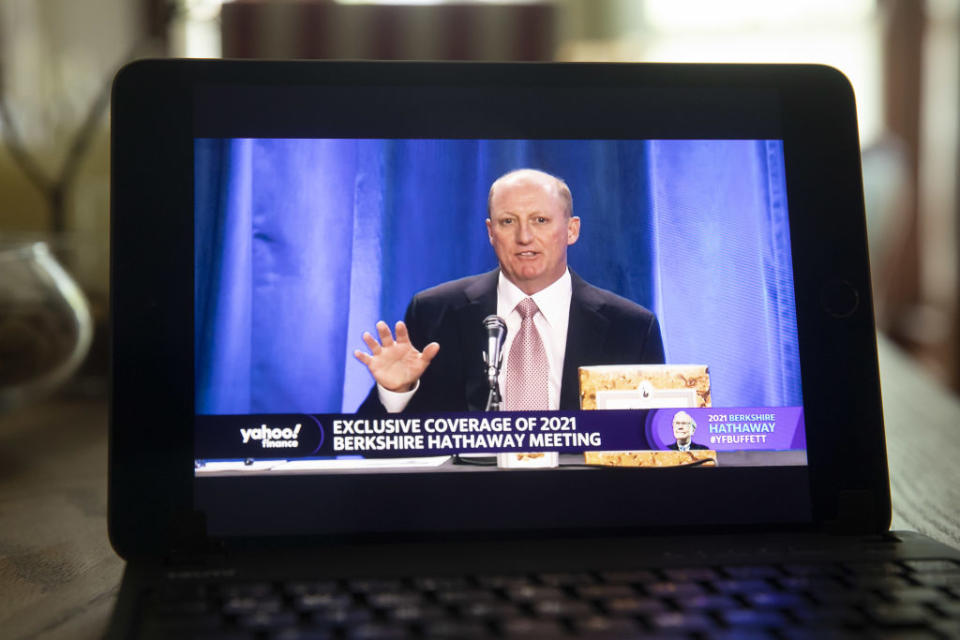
[(401, 435), (731, 428)]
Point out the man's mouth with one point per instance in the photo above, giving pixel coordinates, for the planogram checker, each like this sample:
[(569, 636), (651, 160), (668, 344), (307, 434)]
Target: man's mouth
[(527, 254)]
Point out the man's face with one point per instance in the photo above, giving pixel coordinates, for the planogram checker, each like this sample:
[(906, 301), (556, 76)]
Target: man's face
[(682, 427), (530, 231)]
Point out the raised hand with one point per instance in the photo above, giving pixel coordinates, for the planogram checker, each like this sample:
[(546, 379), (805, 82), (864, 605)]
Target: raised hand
[(396, 365)]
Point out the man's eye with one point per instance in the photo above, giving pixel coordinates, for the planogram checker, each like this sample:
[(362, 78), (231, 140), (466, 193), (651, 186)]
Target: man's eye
[(506, 221), (541, 220)]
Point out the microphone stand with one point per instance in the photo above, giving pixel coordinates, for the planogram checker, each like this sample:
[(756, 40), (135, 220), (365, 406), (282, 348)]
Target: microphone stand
[(494, 402)]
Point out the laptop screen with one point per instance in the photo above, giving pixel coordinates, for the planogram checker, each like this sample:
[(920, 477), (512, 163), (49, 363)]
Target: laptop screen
[(662, 335)]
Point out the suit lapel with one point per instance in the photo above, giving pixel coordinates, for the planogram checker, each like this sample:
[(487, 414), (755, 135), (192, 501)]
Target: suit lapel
[(481, 302), (585, 333)]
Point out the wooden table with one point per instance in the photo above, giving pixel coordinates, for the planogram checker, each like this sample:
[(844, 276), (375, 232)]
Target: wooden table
[(59, 575), (922, 422)]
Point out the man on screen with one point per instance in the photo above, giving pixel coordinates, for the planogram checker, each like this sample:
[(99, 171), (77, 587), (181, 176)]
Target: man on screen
[(556, 322), (684, 426)]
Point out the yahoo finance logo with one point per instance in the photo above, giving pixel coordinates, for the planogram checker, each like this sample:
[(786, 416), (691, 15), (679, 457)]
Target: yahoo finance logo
[(273, 438)]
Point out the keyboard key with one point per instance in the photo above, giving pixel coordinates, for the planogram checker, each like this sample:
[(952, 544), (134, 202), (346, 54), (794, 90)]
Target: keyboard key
[(294, 633), (317, 587), (465, 596), (529, 628), (879, 582), (341, 616), (527, 593), (565, 608), (504, 581), (899, 615), (606, 626), (605, 591), (682, 621), (933, 566), (753, 618), (917, 595), (829, 616), (817, 633), (320, 601), (370, 585), (182, 625), (376, 631), (456, 629), (947, 628), (691, 575), (635, 605), (441, 583), (735, 585), (950, 608), (775, 599), (742, 633), (674, 589), (811, 583), (710, 601), (390, 599), (417, 613), (265, 620), (232, 634), (875, 568), (489, 610), (249, 604), (849, 597), (945, 580), (812, 569)]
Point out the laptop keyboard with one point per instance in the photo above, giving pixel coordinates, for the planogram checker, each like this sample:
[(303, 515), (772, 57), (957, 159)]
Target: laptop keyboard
[(910, 599)]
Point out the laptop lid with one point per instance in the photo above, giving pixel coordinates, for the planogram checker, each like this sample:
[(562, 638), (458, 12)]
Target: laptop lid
[(719, 363)]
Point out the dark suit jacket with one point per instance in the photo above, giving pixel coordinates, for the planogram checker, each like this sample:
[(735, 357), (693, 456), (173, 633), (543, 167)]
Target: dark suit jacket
[(693, 445), (604, 329)]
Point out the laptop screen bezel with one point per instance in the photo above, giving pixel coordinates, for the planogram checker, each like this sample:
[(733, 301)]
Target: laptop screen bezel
[(155, 118)]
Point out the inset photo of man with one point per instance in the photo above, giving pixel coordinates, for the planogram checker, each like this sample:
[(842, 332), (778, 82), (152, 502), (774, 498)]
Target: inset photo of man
[(684, 426)]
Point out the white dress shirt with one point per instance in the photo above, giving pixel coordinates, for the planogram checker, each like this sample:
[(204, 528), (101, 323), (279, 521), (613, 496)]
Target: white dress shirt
[(551, 322)]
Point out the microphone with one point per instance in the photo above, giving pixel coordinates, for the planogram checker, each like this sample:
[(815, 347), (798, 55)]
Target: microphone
[(496, 330)]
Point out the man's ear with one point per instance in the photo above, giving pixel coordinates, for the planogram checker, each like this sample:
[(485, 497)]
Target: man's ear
[(489, 230), (573, 229)]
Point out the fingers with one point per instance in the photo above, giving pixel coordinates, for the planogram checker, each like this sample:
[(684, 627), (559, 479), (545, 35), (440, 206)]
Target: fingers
[(402, 334), (386, 338), (429, 352), (372, 344)]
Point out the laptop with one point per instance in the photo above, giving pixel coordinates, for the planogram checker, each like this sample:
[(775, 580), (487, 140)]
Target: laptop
[(335, 413)]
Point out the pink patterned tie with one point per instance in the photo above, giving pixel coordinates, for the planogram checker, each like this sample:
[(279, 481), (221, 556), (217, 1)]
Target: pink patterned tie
[(528, 372)]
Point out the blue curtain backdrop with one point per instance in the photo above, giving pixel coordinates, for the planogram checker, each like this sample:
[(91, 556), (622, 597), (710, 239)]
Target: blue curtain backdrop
[(302, 245)]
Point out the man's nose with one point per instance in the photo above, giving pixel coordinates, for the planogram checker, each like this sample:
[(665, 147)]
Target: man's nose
[(524, 233)]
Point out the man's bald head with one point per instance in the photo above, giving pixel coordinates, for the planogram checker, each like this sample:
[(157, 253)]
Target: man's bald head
[(550, 183), (530, 225)]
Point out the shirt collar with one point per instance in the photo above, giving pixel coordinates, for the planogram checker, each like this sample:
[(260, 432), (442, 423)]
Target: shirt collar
[(553, 301)]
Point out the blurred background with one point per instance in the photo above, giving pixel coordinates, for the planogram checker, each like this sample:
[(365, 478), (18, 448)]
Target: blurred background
[(57, 59)]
